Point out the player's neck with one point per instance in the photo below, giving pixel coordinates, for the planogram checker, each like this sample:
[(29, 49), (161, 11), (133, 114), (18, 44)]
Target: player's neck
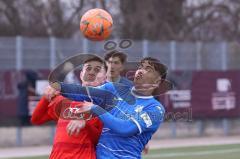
[(85, 84), (142, 91), (113, 79)]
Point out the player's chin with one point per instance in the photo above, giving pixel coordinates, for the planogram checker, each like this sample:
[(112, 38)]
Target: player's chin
[(138, 85), (138, 81)]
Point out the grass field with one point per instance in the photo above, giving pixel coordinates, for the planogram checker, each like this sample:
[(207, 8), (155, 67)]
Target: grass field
[(203, 152)]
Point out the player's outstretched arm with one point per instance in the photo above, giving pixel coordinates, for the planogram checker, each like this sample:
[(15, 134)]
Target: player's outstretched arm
[(103, 98)]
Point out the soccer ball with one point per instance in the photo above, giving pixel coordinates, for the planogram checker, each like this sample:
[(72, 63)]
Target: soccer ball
[(96, 24)]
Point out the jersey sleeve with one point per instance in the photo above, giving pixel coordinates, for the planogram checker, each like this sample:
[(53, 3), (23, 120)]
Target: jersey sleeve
[(40, 114), (121, 91), (120, 126), (99, 96), (149, 119)]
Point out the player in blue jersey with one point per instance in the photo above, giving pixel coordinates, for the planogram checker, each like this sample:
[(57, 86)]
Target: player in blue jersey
[(115, 61), (136, 116)]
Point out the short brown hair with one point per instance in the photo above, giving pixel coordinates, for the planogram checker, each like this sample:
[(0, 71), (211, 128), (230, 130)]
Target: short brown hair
[(158, 66), (122, 56), (95, 58), (162, 71)]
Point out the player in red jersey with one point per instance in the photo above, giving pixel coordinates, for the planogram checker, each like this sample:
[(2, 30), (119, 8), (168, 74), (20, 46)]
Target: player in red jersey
[(83, 136)]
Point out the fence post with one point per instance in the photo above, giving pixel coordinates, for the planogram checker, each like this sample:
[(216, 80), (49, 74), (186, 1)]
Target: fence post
[(52, 52), (173, 55), (19, 67), (19, 136), (52, 133), (225, 123), (173, 126), (224, 56), (145, 48), (19, 53), (199, 57), (200, 127)]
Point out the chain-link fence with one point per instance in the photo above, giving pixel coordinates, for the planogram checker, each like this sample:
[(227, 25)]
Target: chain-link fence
[(44, 53)]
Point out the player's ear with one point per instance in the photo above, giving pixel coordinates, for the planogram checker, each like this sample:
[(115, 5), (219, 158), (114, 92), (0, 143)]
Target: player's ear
[(122, 68), (158, 80), (81, 75)]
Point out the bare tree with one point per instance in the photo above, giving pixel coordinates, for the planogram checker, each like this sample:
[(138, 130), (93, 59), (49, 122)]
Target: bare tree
[(213, 21), (40, 18), (137, 19), (152, 19), (179, 20)]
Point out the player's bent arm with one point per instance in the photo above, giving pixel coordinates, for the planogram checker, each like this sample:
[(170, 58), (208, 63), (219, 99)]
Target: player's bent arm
[(40, 115), (148, 119), (122, 127), (46, 111)]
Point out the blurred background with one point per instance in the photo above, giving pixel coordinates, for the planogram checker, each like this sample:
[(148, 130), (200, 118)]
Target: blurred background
[(197, 39)]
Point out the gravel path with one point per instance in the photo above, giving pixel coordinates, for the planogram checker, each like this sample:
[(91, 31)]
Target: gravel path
[(154, 144)]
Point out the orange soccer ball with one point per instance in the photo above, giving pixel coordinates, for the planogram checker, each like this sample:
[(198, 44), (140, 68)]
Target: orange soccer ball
[(96, 24)]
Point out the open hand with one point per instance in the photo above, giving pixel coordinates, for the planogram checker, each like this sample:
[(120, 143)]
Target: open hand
[(74, 127), (50, 92)]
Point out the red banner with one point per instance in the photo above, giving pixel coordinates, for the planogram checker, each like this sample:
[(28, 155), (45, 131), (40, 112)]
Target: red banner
[(205, 94), (216, 94)]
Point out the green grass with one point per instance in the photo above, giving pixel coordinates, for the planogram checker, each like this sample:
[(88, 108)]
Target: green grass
[(201, 152)]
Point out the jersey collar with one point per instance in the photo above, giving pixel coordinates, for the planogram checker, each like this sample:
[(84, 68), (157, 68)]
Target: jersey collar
[(139, 96)]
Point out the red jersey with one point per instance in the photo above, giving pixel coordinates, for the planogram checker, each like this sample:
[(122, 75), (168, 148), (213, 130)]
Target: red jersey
[(81, 146)]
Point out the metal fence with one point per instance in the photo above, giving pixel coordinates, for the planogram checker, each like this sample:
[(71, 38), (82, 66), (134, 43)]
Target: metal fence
[(44, 53)]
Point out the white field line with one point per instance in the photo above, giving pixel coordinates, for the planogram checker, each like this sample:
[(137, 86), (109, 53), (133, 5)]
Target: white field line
[(200, 153)]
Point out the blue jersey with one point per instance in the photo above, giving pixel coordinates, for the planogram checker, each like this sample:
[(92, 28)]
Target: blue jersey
[(125, 81), (144, 111)]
